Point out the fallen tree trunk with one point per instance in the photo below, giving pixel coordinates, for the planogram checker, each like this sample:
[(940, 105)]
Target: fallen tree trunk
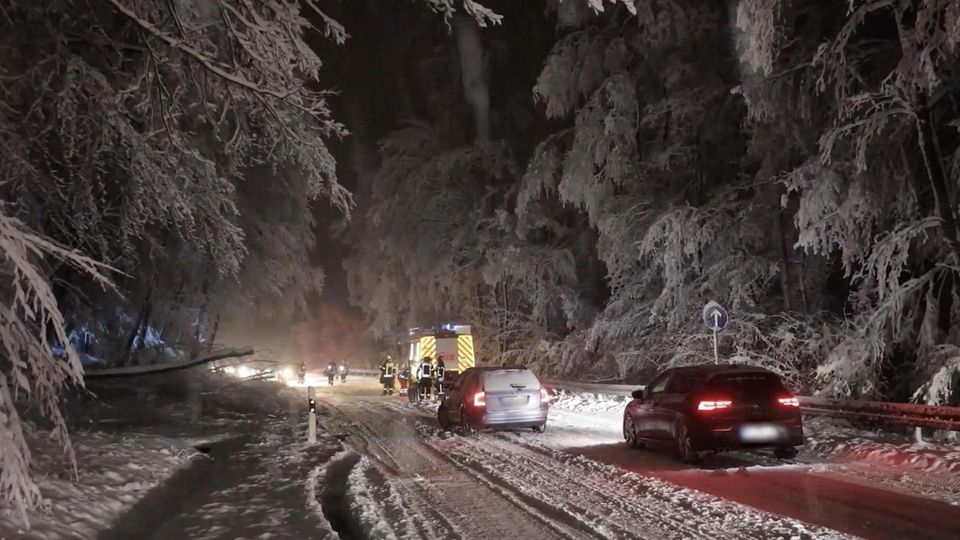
[(140, 371)]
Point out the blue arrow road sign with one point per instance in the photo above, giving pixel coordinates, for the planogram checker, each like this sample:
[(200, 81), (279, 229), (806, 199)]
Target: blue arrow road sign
[(714, 316)]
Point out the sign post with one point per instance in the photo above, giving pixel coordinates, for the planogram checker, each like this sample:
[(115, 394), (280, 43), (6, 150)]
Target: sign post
[(312, 418), (715, 317)]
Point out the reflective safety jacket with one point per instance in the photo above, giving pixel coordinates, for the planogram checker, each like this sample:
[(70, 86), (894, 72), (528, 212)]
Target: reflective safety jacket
[(425, 369), (386, 370)]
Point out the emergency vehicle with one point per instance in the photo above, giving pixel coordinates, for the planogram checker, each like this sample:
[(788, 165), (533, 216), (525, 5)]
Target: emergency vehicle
[(453, 341)]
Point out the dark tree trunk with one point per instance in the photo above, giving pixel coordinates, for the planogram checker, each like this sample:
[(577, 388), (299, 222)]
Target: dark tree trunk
[(933, 167), (198, 330), (128, 344), (173, 303), (213, 333), (473, 72), (145, 323), (786, 287)]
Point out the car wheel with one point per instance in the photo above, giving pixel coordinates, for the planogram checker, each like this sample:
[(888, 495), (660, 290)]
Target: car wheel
[(464, 423), (539, 429), (684, 444), (785, 452), (630, 432), (442, 418)]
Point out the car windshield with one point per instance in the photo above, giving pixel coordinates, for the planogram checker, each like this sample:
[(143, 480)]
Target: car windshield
[(509, 379), (741, 385)]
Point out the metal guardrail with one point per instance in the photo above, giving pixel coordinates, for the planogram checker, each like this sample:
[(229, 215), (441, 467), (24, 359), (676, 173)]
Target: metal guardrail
[(593, 388), (902, 414), (365, 372)]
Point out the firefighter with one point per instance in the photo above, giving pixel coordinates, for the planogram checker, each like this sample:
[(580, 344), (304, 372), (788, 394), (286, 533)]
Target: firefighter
[(344, 370), (403, 379), (413, 388), (302, 372), (331, 372), (426, 378), (438, 372), (387, 375)]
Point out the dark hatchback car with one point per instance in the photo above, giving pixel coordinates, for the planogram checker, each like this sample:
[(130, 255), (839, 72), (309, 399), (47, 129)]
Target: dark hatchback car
[(715, 408)]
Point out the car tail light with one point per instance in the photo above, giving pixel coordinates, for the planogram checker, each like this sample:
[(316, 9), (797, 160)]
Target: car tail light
[(789, 401), (714, 405), (480, 399), (544, 396)]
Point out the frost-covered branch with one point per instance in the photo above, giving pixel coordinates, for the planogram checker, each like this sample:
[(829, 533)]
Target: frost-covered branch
[(32, 336)]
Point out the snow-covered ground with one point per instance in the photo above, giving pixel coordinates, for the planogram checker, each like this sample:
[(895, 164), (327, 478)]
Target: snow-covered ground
[(383, 469), (114, 471), (143, 450), (831, 447)]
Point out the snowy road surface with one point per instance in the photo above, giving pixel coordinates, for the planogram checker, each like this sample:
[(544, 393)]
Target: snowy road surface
[(435, 485), (382, 468), (579, 480)]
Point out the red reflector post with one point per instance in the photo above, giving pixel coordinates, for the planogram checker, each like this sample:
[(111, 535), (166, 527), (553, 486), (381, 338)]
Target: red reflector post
[(544, 396), (714, 405), (789, 401), (480, 399)]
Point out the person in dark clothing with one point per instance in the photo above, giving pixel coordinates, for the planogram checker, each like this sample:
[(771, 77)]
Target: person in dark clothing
[(331, 372), (438, 372), (388, 375)]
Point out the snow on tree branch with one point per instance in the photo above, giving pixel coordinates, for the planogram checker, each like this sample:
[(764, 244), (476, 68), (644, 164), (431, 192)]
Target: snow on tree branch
[(31, 325), (482, 14)]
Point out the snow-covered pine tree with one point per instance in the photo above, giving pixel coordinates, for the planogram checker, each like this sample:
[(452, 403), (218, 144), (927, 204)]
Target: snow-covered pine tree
[(38, 361), (878, 194)]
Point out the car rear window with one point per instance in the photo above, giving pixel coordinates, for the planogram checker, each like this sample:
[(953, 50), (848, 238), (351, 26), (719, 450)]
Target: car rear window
[(745, 384), (682, 384), (503, 379)]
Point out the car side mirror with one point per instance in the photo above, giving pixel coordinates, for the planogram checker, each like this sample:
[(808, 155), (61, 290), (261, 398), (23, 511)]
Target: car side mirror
[(637, 394)]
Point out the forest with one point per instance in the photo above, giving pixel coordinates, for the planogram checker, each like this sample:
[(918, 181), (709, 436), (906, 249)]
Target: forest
[(573, 178), (589, 181)]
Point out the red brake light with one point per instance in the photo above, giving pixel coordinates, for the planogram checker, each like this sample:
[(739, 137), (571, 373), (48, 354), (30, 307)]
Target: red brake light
[(714, 405), (789, 401), (480, 399), (544, 396)]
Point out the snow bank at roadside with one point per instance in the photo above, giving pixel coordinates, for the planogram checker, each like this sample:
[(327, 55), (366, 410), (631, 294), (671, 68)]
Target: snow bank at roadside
[(589, 402), (114, 472), (830, 439)]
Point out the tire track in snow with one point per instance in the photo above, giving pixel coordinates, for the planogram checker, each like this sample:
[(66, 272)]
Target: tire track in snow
[(615, 503), (403, 495), (574, 495), (425, 481), (318, 493)]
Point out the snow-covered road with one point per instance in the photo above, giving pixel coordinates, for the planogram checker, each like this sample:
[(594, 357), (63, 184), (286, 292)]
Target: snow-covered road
[(579, 480), (434, 484), (382, 468)]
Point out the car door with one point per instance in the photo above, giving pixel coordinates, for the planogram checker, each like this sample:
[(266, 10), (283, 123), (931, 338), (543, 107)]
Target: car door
[(450, 404), (672, 404), (645, 420), (457, 394)]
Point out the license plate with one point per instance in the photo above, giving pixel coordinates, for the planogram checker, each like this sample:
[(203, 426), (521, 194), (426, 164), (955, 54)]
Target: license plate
[(514, 400), (755, 433)]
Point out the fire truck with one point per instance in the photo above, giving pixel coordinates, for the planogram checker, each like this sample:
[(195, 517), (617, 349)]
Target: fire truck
[(451, 342)]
